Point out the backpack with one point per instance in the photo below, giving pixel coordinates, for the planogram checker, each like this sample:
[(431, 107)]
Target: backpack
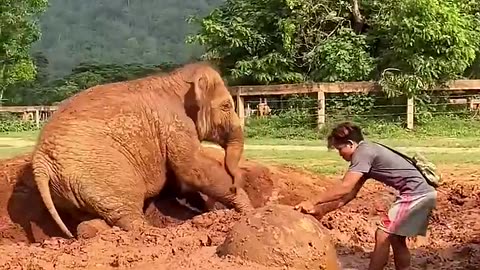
[(425, 167)]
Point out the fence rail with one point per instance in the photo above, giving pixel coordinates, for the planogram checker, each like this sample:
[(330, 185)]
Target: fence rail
[(241, 92), (34, 113), (21, 109)]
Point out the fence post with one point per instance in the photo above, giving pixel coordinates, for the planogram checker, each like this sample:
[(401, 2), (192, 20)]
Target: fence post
[(410, 112), (241, 108), (37, 118), (320, 108)]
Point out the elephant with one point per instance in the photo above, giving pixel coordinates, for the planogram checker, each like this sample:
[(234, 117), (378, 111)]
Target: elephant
[(108, 148)]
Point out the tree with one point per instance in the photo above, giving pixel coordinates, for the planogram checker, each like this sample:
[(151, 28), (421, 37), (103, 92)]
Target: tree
[(18, 30), (280, 41), (83, 76), (408, 45), (423, 43)]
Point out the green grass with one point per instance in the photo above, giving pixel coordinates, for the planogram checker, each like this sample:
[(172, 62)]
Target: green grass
[(323, 162), (440, 131), (434, 141), (26, 135), (406, 142), (8, 152), (328, 163), (316, 161), (16, 143)]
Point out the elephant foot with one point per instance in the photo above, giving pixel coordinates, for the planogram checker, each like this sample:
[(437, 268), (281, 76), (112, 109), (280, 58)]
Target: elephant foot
[(201, 202), (242, 202), (195, 200), (143, 228), (129, 223), (238, 201), (90, 228), (210, 204)]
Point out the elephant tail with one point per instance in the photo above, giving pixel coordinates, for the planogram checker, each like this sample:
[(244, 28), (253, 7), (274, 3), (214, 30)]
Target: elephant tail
[(42, 180)]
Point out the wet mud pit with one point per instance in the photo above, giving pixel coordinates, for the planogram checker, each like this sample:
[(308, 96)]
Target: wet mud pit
[(187, 239)]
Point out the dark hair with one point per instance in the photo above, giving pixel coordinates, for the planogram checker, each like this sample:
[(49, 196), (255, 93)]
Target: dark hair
[(344, 132)]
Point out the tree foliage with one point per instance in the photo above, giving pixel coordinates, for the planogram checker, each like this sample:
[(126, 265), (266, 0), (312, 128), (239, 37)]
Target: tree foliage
[(18, 30), (409, 45), (425, 42), (280, 41), (343, 57), (83, 76)]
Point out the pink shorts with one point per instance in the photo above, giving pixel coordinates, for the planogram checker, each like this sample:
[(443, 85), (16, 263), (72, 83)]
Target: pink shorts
[(409, 215)]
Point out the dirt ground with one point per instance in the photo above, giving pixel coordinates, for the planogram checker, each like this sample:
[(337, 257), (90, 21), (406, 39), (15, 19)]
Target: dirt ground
[(188, 240)]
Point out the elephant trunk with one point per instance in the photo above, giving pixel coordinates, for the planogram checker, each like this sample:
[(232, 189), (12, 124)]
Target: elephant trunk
[(233, 154)]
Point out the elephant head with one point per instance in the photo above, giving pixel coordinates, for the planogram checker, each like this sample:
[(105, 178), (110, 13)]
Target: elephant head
[(209, 104)]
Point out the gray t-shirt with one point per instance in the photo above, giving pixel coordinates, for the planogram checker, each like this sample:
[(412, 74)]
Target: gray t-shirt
[(381, 164)]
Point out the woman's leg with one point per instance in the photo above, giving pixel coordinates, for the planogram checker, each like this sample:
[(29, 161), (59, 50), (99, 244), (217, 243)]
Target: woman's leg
[(401, 253), (379, 257)]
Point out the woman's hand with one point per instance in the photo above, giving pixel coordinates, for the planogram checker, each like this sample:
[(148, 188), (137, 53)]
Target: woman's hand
[(306, 207)]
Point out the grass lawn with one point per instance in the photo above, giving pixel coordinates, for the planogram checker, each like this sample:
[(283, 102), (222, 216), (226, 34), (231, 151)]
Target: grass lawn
[(323, 162), (8, 152), (330, 162), (27, 135), (15, 143), (440, 131), (406, 142)]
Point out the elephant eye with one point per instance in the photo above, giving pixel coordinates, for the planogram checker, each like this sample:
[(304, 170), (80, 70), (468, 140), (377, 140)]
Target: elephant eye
[(226, 106)]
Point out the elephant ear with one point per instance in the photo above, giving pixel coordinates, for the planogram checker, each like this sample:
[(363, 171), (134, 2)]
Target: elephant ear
[(196, 93), (200, 85), (195, 100)]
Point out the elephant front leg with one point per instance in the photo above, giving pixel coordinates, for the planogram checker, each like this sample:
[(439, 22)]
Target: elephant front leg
[(201, 172), (217, 189), (238, 199), (205, 175)]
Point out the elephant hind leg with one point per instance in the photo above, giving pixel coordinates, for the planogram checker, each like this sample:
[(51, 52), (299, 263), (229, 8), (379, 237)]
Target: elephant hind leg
[(118, 206), (124, 211)]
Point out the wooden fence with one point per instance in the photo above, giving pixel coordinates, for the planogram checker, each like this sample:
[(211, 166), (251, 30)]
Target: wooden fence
[(33, 113), (39, 113), (240, 92)]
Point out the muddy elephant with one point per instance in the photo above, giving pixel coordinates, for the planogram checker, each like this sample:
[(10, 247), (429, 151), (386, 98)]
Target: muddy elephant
[(108, 148)]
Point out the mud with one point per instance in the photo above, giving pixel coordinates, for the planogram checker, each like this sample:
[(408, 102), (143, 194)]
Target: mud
[(277, 235), (186, 239)]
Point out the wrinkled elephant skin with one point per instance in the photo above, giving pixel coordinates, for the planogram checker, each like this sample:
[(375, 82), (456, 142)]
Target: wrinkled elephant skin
[(108, 148)]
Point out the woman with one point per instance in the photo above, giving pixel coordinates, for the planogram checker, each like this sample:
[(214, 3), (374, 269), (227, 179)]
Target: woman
[(409, 214)]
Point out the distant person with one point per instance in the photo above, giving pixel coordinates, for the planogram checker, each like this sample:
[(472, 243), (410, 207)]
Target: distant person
[(409, 214)]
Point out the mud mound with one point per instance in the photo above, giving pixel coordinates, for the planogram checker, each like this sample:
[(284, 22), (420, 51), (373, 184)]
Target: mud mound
[(277, 235), (23, 216)]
